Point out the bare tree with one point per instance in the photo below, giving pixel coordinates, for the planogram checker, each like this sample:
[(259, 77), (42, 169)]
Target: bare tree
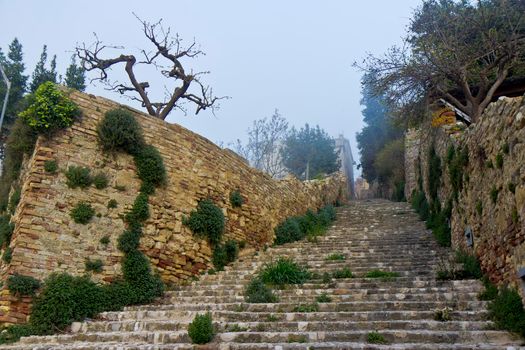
[(166, 56), (457, 50), (265, 139)]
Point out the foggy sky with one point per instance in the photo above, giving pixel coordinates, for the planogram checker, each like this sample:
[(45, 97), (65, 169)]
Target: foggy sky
[(295, 56)]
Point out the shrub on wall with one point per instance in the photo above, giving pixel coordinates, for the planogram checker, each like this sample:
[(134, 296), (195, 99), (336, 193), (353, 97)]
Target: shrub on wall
[(140, 210), (120, 131), (6, 229), (82, 213), (20, 285), (94, 265), (78, 176), (50, 109), (207, 221), (50, 166), (236, 199), (150, 167), (100, 180)]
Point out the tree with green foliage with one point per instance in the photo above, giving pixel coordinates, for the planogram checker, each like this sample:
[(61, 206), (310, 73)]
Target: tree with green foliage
[(41, 74), (308, 152), (14, 68), (458, 50), (75, 76)]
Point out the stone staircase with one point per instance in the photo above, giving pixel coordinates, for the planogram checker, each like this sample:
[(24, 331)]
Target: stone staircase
[(371, 235)]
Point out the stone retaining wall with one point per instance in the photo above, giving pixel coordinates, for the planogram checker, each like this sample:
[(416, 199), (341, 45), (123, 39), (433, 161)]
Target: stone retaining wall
[(47, 240)]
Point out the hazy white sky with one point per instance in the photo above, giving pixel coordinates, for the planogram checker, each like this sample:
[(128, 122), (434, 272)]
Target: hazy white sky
[(295, 56)]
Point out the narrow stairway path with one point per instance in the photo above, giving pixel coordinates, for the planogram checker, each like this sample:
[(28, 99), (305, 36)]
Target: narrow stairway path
[(371, 235)]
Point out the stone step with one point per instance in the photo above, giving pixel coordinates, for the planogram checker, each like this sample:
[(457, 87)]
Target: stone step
[(333, 307), (248, 316)]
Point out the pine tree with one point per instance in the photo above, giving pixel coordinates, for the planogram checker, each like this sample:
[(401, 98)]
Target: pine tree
[(14, 69), (75, 76), (41, 74)]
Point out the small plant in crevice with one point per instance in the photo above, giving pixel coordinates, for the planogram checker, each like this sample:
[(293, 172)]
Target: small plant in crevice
[(343, 273), (336, 257), (82, 213), (20, 285), (100, 180), (505, 148), (207, 221), (78, 176), (112, 204), (284, 271), (494, 192), (375, 338), (381, 274), (462, 266), (104, 240), (489, 164), (201, 330), (499, 160), (15, 199), (297, 338), (442, 315), (50, 166), (507, 312), (94, 265), (258, 292), (511, 187), (6, 229), (490, 291), (457, 161), (323, 298), (236, 199), (479, 207), (305, 308)]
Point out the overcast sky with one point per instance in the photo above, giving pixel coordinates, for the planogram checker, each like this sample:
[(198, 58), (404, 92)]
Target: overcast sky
[(295, 56)]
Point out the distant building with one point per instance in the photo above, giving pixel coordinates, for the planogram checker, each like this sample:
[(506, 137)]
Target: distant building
[(342, 146)]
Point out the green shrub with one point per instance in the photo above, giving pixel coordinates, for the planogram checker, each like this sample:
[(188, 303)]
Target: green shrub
[(284, 271), (94, 265), (13, 333), (150, 166), (100, 180), (82, 213), (129, 240), (326, 215), (50, 166), (399, 192), (499, 160), (137, 272), (336, 257), (120, 131), (8, 254), (494, 194), (104, 240), (434, 174), (490, 292), (424, 210), (258, 292), (306, 308), (507, 312), (6, 229), (456, 168), (236, 199), (20, 285), (200, 330), (14, 200), (471, 267), (323, 298), (505, 148), (375, 338), (479, 207), (50, 110), (343, 273), (232, 250), (112, 204), (381, 274), (288, 231), (140, 210), (78, 176), (207, 221), (116, 295), (64, 299), (417, 199), (219, 257)]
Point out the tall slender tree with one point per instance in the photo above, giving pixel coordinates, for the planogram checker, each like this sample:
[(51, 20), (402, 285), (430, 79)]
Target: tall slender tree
[(75, 76), (41, 74)]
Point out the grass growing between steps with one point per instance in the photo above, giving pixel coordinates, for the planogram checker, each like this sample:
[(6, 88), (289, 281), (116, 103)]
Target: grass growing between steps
[(381, 274), (375, 338), (336, 257), (309, 225), (201, 330)]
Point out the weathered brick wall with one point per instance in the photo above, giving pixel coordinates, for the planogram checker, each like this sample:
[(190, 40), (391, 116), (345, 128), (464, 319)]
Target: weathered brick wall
[(47, 240), (499, 232)]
